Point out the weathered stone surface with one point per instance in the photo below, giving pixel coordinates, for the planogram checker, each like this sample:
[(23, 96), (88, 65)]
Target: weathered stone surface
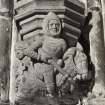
[(71, 13), (29, 14), (5, 45), (43, 70), (96, 38), (40, 69)]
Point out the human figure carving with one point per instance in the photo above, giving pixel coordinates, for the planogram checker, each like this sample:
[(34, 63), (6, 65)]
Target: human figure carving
[(49, 47), (52, 47), (50, 54)]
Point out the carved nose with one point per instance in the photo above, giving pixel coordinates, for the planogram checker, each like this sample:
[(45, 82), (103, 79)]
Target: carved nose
[(54, 26)]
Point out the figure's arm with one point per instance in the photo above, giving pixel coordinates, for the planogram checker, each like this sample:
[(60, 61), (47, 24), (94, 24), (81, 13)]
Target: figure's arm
[(36, 44), (64, 47)]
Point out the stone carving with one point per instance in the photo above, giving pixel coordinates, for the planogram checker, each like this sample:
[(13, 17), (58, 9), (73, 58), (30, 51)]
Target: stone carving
[(96, 39), (5, 38), (46, 66), (76, 66)]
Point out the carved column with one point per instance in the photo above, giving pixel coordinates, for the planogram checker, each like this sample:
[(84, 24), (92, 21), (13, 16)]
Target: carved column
[(5, 42), (12, 77), (103, 14), (96, 38)]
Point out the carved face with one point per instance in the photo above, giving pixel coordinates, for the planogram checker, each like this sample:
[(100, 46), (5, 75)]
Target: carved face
[(54, 27)]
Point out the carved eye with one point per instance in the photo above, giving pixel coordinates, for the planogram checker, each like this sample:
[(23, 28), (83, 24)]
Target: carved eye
[(18, 52), (51, 24)]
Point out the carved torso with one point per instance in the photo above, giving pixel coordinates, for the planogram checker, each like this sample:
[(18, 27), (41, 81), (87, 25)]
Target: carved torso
[(53, 47)]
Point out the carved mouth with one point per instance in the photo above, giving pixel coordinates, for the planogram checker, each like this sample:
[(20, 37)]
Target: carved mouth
[(54, 29)]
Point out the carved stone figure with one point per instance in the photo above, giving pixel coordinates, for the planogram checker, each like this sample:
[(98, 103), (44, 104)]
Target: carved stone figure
[(48, 48), (46, 64), (52, 48)]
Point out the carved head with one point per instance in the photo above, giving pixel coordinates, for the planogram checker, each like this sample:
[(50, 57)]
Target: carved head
[(52, 25)]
